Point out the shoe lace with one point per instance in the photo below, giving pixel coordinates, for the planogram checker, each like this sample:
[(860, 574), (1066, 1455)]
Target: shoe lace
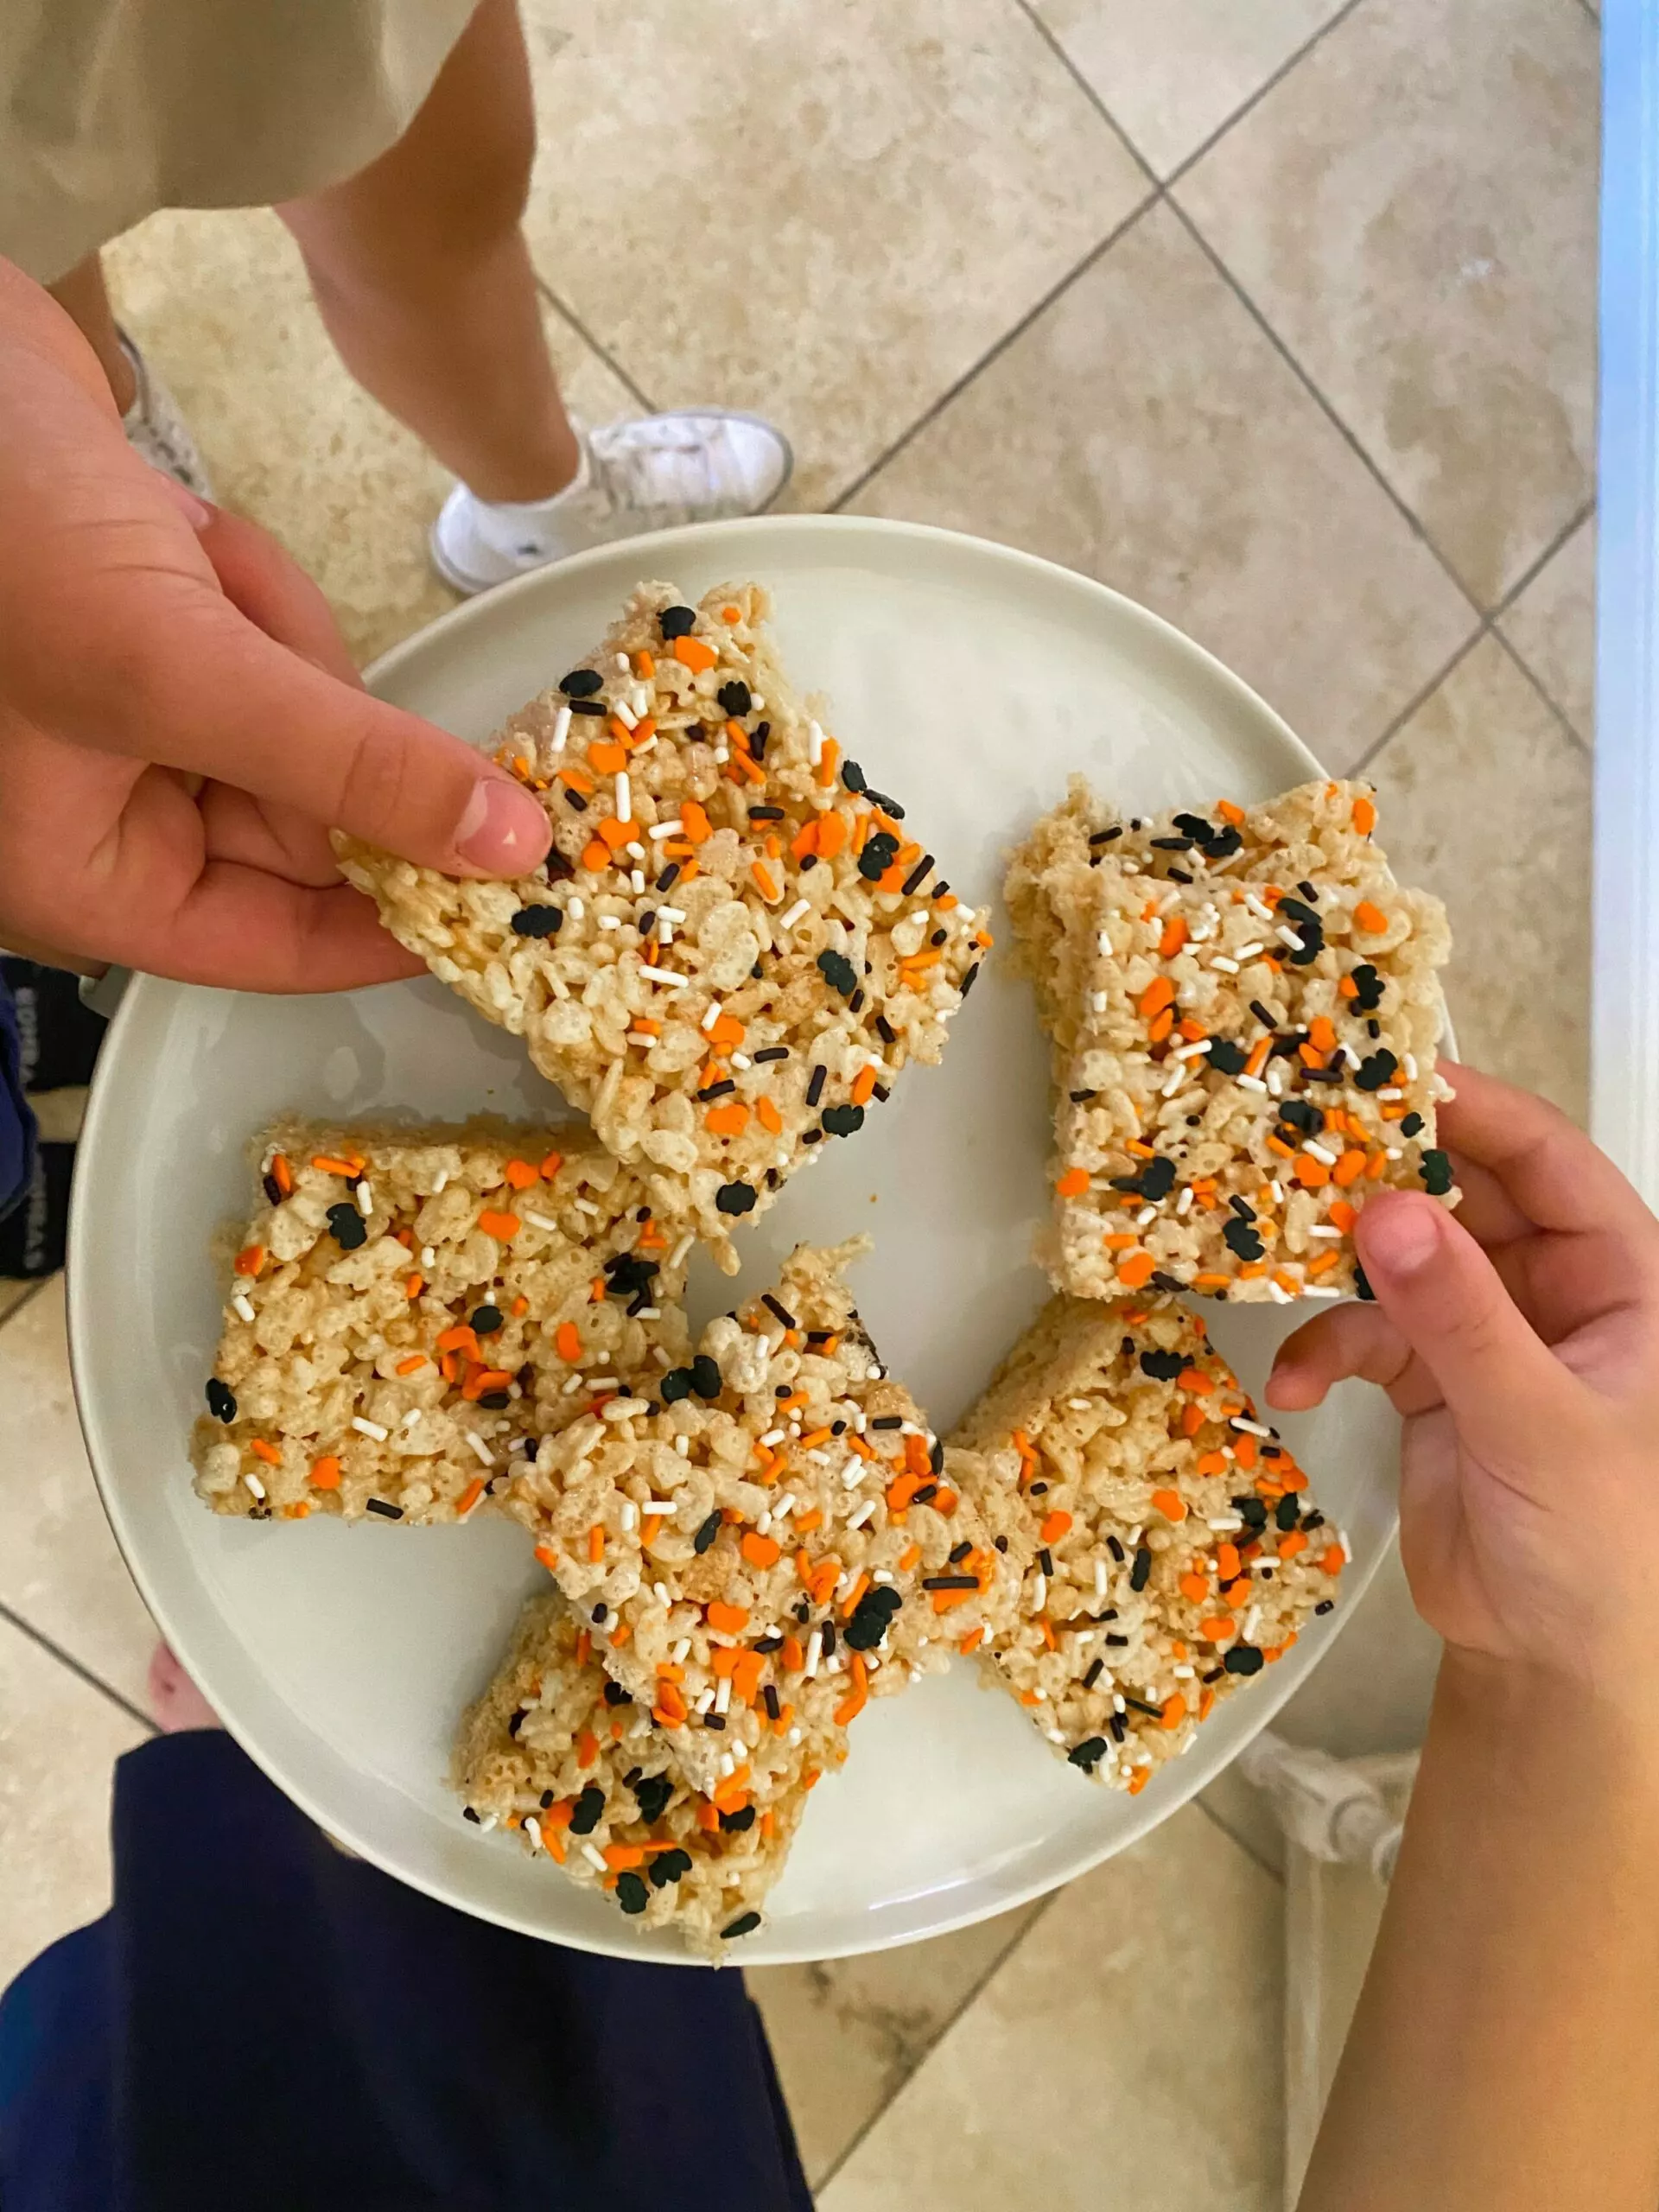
[(672, 473)]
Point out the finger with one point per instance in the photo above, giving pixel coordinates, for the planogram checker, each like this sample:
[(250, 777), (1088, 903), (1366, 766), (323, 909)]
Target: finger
[(1505, 1388), (264, 582), (1349, 1342), (1485, 1207), (246, 930), (184, 681), (1552, 1171)]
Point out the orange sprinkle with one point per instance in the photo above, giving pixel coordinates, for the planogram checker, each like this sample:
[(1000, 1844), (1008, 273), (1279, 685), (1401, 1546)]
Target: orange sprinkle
[(1324, 1263), (608, 757), (325, 1473), (695, 654), (1211, 1463), (1170, 1503), (1175, 1711), (731, 614), (1377, 1167), (595, 1544), (1347, 988), (1321, 1035), (1229, 812), (1228, 1563), (1370, 919), (832, 834), (1291, 1543), (504, 1226), (1139, 1780), (521, 1174), (596, 855), (763, 881), (249, 1259), (1364, 816), (413, 1365), (586, 1748), (731, 1620), (350, 1169), (268, 1453), (1333, 1558), (1173, 938), (1073, 1184), (729, 1119), (825, 773), (761, 1551), (1159, 993), (1313, 1174), (413, 1286), (1210, 1282), (1195, 1586), (971, 1641), (1135, 1269), (1218, 1629), (548, 1556), (282, 1174), (864, 1086), (1348, 1169), (1054, 1526)]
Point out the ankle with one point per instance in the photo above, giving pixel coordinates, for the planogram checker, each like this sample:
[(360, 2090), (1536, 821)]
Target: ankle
[(523, 479)]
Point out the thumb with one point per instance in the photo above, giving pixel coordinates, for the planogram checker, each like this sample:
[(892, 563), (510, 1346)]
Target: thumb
[(1501, 1384)]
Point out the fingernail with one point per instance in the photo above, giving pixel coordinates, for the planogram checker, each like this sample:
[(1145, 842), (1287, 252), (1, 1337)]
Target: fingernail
[(196, 513), (502, 829), (1400, 1236)]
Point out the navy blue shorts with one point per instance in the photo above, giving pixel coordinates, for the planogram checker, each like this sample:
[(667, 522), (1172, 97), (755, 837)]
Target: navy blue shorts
[(260, 2022)]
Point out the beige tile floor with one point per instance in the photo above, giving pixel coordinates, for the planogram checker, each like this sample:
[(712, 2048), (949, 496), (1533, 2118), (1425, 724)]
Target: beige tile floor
[(1275, 313)]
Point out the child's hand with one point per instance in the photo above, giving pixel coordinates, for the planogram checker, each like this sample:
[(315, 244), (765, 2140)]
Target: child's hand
[(1520, 1340), (180, 723)]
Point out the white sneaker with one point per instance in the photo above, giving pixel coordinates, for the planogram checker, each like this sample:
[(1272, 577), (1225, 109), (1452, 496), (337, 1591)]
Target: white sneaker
[(693, 465), (156, 431)]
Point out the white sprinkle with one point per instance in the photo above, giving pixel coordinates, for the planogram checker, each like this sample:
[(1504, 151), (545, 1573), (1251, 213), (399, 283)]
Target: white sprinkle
[(683, 1446), (680, 1653), (1393, 1152), (1278, 1190), (1349, 1054), (858, 1519), (1259, 907), (484, 1456), (365, 1197), (1251, 1082), (593, 1856), (665, 976), (1252, 1621), (609, 922), (1319, 1228), (1191, 1052), (814, 1653), (712, 1016), (630, 1516), (1039, 1592), (772, 1436), (722, 1694), (852, 1474), (1320, 1152), (1250, 1427), (561, 730), (255, 1485), (624, 713), (1100, 1578), (429, 1256), (371, 1428), (1310, 1291), (533, 1830), (785, 1506), (1408, 1062), (649, 1313), (723, 754), (1393, 1092), (788, 921), (1243, 952), (1275, 1080), (577, 909), (757, 704), (243, 1305), (1288, 936), (1098, 1001), (660, 1590), (624, 798), (1103, 943), (1227, 967), (1279, 1297), (1225, 1523), (682, 1248), (572, 1384), (664, 831), (1175, 1083), (814, 743), (542, 1221)]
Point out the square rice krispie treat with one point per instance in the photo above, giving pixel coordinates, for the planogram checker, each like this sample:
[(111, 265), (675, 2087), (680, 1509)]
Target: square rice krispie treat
[(555, 1750), (766, 1541), (1170, 1550), (411, 1309), (1239, 1062), (737, 942)]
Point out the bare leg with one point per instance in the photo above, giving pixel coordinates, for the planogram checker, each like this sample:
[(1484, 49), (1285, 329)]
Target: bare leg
[(82, 296), (421, 274)]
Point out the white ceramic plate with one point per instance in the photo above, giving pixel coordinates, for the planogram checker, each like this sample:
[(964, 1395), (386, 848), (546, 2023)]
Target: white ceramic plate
[(968, 679)]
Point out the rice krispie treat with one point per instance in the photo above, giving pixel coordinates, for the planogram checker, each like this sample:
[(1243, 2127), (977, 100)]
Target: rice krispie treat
[(736, 944), (767, 1541), (1169, 1552), (555, 1750), (411, 1308), (1240, 1063)]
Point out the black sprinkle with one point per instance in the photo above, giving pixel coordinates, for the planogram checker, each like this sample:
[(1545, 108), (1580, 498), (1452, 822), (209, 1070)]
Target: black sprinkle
[(819, 1076), (1376, 1072), (1326, 1605), (838, 971), (348, 1227), (1163, 1366), (1243, 1208), (467, 1814), (971, 977), (221, 1400), (537, 921), (888, 805), (272, 1188), (1173, 844), (769, 1699), (1412, 1125), (1105, 836), (734, 1198), (1140, 1705), (1089, 1754), (949, 1582), (1115, 1722), (1284, 1514), (735, 697), (918, 875), (812, 1136), (961, 1552), (1111, 1638), (1226, 1057), (678, 622), (615, 1694), (1251, 1511), (1362, 1285), (599, 1613), (707, 1533), (1045, 1558), (581, 684), (669, 877), (745, 1924), (716, 1091), (758, 737), (1243, 1659), (738, 1823), (576, 799), (766, 814), (1367, 988), (829, 1637), (713, 1720), (705, 1376), (486, 1319), (1078, 1097), (1241, 1239), (842, 1121), (878, 854), (495, 1402), (1141, 1569), (1097, 1668), (1262, 1014), (631, 1892), (781, 1313), (855, 1004), (1116, 1549), (654, 1795), (387, 1512), (588, 1807), (925, 1495), (771, 1053), (1437, 1174)]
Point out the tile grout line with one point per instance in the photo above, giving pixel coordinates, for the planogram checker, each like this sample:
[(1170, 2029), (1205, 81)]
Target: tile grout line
[(1056, 48), (26, 1300), (1015, 330), (1190, 161), (574, 322), (1349, 437), (1488, 627), (990, 1973), (67, 1659)]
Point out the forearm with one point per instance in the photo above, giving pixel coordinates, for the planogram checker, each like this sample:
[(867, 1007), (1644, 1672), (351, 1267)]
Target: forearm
[(1506, 2047)]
